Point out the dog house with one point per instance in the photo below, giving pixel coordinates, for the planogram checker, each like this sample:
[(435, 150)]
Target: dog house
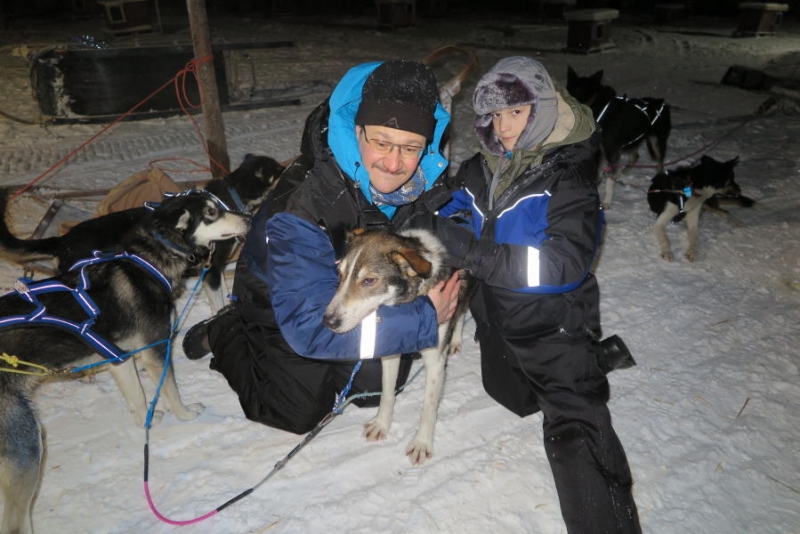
[(126, 16), (396, 13), (668, 13), (758, 19), (589, 30)]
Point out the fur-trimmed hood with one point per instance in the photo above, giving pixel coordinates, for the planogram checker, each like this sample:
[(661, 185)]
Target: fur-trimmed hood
[(556, 117)]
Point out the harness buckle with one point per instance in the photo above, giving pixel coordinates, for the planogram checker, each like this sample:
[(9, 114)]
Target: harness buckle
[(21, 286), (211, 248)]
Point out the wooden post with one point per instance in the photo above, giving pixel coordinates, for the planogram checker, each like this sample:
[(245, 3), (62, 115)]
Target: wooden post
[(215, 128)]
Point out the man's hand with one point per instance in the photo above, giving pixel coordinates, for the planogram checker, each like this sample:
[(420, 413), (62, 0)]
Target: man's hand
[(444, 296)]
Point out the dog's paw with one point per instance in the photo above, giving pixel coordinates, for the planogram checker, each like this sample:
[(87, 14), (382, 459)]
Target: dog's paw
[(187, 413), (452, 349), (691, 255), (419, 451), (375, 431), (158, 415), (667, 256)]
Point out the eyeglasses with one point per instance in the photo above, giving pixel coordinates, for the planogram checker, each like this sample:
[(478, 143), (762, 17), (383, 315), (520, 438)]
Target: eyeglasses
[(385, 148)]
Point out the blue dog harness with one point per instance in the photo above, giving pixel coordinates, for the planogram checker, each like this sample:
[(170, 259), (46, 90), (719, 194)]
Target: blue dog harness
[(29, 290)]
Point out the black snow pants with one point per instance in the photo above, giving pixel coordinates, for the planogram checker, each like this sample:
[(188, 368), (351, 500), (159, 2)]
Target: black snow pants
[(547, 363), (277, 387)]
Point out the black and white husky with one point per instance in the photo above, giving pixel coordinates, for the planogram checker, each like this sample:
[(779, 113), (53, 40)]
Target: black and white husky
[(625, 124), (380, 267), (680, 195), (243, 189), (119, 305)]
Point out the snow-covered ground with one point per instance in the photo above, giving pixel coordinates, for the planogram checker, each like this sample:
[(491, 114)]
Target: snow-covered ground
[(710, 417)]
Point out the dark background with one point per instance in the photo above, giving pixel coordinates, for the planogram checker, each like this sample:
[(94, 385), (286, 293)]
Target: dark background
[(14, 10)]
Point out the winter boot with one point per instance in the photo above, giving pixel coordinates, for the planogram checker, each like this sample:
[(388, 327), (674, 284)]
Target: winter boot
[(195, 342), (614, 355)]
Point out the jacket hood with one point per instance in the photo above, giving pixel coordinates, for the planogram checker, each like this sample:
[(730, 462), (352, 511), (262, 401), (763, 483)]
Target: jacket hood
[(344, 103), (574, 124), (515, 81)]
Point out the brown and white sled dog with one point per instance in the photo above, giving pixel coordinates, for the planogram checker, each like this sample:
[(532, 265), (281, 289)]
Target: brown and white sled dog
[(380, 267), (128, 303)]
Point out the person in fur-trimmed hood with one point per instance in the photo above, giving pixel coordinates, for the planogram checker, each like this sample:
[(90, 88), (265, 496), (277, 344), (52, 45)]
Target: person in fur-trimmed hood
[(535, 224)]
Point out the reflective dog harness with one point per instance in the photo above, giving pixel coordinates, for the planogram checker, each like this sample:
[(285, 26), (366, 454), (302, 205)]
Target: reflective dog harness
[(29, 290), (647, 109)]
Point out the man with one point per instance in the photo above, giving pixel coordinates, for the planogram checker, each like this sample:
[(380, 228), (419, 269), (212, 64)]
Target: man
[(369, 158)]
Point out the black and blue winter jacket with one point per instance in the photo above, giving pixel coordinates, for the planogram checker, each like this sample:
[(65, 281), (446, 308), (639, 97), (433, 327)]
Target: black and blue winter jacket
[(289, 260), (543, 229)]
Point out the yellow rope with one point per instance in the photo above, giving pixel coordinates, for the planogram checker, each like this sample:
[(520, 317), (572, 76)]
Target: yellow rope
[(15, 362)]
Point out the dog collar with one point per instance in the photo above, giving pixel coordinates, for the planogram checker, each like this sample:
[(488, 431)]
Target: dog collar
[(189, 254), (237, 200)]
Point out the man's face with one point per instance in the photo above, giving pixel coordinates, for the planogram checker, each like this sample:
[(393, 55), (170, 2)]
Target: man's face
[(390, 156)]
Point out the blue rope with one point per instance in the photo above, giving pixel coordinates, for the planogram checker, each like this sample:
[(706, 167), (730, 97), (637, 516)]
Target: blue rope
[(175, 327), (339, 403)]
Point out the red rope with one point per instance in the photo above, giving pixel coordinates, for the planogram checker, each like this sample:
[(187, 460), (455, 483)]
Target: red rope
[(179, 81)]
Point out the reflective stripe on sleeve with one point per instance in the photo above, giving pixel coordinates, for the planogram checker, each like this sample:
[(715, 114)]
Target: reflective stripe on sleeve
[(369, 328), (533, 267)]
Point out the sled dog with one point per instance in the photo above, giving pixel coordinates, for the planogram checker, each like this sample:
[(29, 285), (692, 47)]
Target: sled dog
[(112, 304), (243, 189), (381, 267), (680, 194), (625, 124)]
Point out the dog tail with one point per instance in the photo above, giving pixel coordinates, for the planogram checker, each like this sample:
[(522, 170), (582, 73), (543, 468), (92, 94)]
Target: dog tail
[(22, 250)]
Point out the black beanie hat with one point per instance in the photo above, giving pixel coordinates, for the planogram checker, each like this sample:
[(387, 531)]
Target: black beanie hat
[(401, 95)]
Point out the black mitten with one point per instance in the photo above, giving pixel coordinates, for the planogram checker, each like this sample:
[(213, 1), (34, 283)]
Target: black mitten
[(457, 239)]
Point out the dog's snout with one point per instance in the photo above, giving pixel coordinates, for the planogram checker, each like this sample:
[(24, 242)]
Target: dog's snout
[(331, 321)]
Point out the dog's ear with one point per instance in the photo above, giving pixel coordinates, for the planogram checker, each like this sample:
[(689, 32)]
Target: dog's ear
[(352, 234), (409, 259), (732, 163), (597, 77), (184, 220), (571, 75)]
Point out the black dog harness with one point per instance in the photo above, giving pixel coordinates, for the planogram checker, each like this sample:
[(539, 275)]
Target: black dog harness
[(29, 290), (652, 113), (681, 186)]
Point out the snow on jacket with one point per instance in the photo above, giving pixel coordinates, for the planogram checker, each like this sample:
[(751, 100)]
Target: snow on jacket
[(290, 256)]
